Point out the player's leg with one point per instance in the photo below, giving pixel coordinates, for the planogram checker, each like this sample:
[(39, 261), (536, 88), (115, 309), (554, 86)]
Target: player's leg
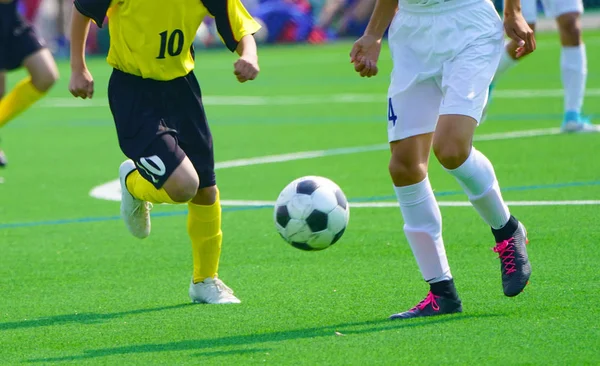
[(412, 116), (158, 171), (204, 210), (465, 82), (26, 49), (161, 173), (573, 65)]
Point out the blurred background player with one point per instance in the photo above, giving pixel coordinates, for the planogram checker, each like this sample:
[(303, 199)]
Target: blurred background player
[(445, 54), (157, 107), (573, 60), (21, 46)]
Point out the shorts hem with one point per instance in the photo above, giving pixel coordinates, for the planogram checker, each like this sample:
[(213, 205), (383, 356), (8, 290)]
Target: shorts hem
[(404, 134), (476, 115)]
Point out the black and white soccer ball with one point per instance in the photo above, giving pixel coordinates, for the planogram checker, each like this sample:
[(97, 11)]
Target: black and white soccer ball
[(311, 213)]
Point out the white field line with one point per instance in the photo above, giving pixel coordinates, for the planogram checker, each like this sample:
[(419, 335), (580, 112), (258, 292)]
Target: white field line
[(380, 204), (308, 99), (111, 191)]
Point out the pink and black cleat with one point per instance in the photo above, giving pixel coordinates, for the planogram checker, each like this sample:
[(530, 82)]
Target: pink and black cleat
[(514, 262)]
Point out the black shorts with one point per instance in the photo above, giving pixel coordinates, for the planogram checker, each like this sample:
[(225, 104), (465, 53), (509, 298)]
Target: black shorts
[(159, 123), (18, 39)]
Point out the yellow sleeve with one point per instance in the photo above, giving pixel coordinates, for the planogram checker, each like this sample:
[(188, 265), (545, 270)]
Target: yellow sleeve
[(233, 20)]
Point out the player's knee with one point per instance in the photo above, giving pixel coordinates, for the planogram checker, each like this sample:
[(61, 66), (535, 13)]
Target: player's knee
[(183, 192), (570, 29), (182, 188), (450, 154), (406, 171), (206, 196), (43, 81)]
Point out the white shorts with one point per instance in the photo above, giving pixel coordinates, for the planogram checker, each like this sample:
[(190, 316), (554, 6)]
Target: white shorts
[(552, 8), (443, 64)]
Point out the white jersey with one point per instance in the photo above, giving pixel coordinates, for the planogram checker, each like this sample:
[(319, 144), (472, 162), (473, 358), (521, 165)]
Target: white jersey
[(433, 6)]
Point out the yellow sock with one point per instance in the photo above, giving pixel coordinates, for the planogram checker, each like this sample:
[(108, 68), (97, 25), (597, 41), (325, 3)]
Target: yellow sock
[(143, 190), (204, 228), (18, 100)]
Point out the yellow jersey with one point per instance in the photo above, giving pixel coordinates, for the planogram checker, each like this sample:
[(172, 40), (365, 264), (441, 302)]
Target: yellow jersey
[(153, 39)]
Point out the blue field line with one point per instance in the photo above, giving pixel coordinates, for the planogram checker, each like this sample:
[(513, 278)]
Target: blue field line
[(81, 220), (505, 189)]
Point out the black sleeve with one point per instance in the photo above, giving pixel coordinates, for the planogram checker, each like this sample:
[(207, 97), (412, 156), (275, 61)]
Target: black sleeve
[(94, 9), (219, 10)]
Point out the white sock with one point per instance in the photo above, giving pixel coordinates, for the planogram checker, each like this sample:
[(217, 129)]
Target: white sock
[(573, 66), (506, 63), (477, 178), (423, 229)]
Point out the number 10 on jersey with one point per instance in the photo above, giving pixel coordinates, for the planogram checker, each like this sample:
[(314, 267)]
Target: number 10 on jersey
[(171, 44)]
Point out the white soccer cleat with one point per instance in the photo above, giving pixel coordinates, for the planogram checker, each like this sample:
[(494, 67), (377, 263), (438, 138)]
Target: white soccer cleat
[(212, 291), (134, 212)]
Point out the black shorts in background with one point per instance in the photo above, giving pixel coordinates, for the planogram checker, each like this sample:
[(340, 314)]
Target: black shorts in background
[(159, 123), (18, 39)]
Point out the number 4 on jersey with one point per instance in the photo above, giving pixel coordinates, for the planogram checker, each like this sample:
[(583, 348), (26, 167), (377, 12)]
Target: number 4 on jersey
[(391, 115)]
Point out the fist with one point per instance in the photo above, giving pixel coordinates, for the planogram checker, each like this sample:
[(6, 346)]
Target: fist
[(246, 69), (81, 84)]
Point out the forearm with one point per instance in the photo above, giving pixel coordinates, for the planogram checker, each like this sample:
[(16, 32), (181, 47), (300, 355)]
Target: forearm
[(80, 25), (382, 16), (247, 47), (512, 7)]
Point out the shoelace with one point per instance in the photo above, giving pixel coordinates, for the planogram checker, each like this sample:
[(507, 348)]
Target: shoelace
[(144, 205), (222, 287), (429, 299), (506, 252)]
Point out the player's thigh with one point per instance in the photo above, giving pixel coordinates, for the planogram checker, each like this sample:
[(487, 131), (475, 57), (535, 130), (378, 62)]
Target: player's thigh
[(42, 68), (195, 137)]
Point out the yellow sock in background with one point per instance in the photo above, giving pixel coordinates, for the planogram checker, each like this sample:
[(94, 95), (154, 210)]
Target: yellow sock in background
[(18, 100), (143, 190), (204, 228)]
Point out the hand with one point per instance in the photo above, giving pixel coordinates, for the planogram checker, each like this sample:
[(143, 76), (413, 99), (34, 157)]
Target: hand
[(246, 68), (519, 31), (364, 55), (81, 84)]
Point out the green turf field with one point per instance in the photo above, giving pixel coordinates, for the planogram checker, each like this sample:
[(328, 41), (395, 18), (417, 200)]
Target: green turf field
[(76, 288)]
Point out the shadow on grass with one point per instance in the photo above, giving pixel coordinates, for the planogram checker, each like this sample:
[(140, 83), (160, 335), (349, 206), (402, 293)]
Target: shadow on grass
[(348, 329), (81, 318)]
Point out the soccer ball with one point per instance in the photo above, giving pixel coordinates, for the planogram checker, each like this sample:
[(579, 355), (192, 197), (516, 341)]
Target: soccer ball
[(311, 213)]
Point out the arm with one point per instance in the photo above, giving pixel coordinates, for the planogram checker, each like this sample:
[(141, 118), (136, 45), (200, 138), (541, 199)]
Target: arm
[(517, 28), (365, 52), (81, 83), (236, 27), (382, 16), (80, 25)]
